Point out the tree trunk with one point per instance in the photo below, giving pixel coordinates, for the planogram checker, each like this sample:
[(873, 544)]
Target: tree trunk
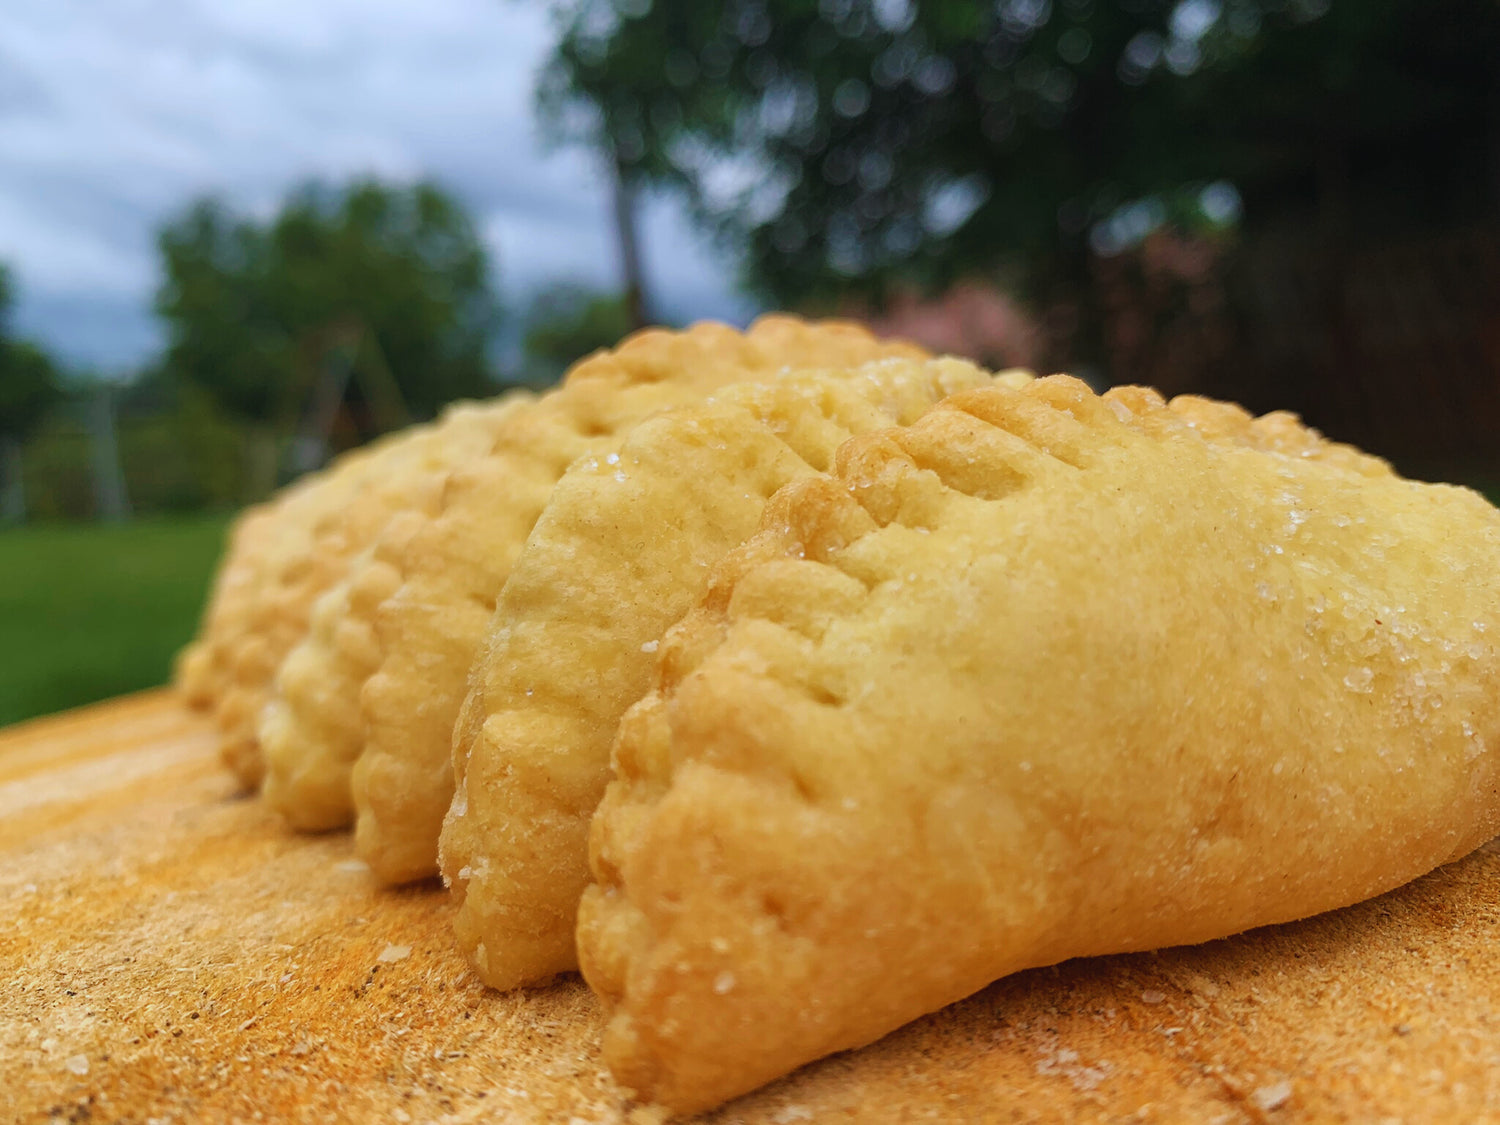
[(636, 305), (111, 501), (13, 494), (1494, 142)]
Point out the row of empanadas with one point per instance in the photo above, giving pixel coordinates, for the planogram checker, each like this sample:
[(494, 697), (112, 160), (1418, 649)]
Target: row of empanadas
[(407, 542), (983, 673)]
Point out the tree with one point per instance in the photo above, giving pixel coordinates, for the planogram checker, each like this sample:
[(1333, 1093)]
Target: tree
[(607, 125), (28, 389), (369, 298), (567, 322), (846, 147)]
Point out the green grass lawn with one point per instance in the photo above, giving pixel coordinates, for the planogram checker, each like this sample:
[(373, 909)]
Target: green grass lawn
[(87, 612)]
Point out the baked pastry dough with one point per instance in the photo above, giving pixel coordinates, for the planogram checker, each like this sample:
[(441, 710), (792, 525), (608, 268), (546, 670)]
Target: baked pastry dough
[(312, 704), (319, 528), (447, 572), (1043, 675), (249, 636), (201, 671), (622, 551)]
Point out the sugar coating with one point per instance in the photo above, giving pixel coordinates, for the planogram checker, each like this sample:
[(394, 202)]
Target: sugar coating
[(622, 550), (451, 569), (309, 728), (1007, 692)]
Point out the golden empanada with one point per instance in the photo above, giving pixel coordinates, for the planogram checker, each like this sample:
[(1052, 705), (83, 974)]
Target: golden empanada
[(201, 670), (319, 530), (205, 668), (239, 656), (448, 572), (621, 551), (1041, 676), (308, 726)]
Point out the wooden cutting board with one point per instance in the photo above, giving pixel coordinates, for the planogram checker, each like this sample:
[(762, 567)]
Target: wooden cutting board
[(169, 953)]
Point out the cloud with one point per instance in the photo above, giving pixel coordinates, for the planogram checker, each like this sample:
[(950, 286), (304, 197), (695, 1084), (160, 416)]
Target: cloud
[(113, 117)]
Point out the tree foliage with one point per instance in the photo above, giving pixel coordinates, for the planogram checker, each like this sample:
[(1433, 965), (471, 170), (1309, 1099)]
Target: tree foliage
[(392, 281), (565, 323), (844, 145), (29, 380)]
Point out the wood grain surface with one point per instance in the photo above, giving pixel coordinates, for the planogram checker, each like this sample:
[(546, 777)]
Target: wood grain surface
[(169, 953)]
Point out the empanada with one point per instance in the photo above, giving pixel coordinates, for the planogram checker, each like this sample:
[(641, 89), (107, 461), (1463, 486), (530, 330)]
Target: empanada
[(201, 670), (205, 668), (621, 551), (1043, 675), (448, 572), (239, 656), (310, 721), (320, 529)]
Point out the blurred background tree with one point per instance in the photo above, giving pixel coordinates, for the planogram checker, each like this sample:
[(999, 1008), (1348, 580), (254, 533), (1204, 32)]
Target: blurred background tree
[(351, 311), (1289, 202), (564, 323), (29, 387)]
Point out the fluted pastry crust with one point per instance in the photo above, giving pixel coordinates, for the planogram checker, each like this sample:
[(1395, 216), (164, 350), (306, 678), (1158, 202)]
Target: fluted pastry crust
[(307, 721)]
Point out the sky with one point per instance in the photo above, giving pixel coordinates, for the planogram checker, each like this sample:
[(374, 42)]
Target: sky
[(113, 117)]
